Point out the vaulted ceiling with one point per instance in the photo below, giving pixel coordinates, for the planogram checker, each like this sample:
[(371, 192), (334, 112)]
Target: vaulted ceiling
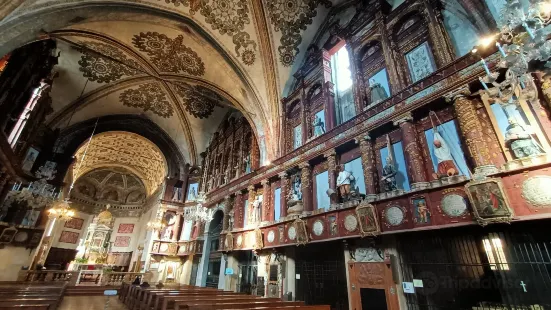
[(184, 64)]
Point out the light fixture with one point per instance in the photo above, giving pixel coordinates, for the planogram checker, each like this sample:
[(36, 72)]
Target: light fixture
[(198, 213), (61, 211), (155, 225)]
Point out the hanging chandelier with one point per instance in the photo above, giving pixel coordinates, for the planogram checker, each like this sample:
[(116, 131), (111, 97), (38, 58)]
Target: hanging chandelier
[(198, 213), (61, 211), (155, 225), (523, 49)]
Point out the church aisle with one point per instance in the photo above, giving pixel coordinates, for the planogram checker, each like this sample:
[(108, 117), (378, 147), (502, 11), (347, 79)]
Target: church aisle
[(90, 303)]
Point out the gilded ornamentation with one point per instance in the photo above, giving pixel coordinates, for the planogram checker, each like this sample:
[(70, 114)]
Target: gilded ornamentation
[(471, 129), (199, 101), (535, 191), (290, 17), (229, 17), (305, 175), (149, 97), (169, 55), (100, 69)]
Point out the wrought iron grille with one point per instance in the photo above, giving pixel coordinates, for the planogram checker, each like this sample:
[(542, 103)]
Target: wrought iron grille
[(322, 283), (194, 269), (247, 280), (500, 267)]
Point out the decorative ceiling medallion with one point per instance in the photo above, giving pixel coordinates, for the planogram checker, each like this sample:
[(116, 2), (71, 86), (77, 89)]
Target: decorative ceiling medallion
[(292, 232), (535, 191), (148, 96), (169, 55), (229, 17), (317, 228), (104, 63), (350, 222), (454, 205), (394, 215), (290, 17), (271, 236), (199, 101)]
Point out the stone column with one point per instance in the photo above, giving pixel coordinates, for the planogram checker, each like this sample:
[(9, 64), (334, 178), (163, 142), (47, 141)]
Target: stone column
[(368, 165), (306, 186), (176, 228), (290, 276), (267, 212), (252, 196), (472, 134), (331, 157), (283, 196), (227, 209), (222, 274), (238, 210), (413, 154)]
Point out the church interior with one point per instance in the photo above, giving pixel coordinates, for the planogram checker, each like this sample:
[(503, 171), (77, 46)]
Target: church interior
[(275, 154)]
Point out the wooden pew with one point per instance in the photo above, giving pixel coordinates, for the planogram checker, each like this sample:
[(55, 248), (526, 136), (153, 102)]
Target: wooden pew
[(17, 295), (25, 307), (145, 298), (320, 307), (52, 302), (183, 301), (261, 302), (162, 298)]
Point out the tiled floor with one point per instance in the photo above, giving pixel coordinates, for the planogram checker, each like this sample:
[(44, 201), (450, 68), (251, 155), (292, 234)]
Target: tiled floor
[(90, 303)]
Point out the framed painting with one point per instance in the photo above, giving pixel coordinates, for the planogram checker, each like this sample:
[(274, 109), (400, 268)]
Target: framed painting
[(29, 160), (301, 232), (122, 241), (74, 223), (228, 243), (125, 228), (421, 211), (8, 234), (69, 237), (489, 201), (369, 225)]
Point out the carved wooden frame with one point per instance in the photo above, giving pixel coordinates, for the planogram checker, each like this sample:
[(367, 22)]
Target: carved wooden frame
[(364, 210), (302, 232), (258, 239), (229, 242), (474, 201)]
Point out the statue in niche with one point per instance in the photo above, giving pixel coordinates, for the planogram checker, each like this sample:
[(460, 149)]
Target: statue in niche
[(446, 166), (192, 196), (296, 191), (177, 195), (170, 219), (257, 203), (247, 163), (389, 176), (319, 126), (294, 204), (231, 215), (344, 181), (378, 93), (520, 141)]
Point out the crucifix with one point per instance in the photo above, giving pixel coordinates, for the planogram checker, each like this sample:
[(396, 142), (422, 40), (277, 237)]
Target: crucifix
[(523, 286)]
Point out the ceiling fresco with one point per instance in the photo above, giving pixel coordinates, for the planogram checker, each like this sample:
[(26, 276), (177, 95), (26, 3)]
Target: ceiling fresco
[(241, 50)]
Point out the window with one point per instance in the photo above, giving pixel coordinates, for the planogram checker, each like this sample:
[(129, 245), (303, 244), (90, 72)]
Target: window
[(342, 80), (494, 252), (24, 116), (245, 212), (355, 167), (277, 204), (322, 185), (399, 162), (297, 136)]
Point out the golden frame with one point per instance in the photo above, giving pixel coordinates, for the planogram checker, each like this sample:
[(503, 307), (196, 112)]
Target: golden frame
[(229, 241), (495, 207), (302, 233), (367, 219), (258, 239)]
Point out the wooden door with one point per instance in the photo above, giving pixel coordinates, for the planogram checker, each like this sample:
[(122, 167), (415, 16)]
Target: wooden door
[(374, 277)]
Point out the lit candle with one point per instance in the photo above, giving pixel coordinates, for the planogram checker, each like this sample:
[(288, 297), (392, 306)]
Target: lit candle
[(483, 84), (528, 30), (501, 49), (483, 62)]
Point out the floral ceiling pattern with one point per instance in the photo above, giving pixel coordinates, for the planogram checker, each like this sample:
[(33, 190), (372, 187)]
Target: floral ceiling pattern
[(149, 97), (199, 101), (291, 17), (104, 63), (229, 17), (169, 55)]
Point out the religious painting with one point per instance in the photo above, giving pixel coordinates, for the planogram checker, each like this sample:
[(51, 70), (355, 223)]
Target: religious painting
[(74, 223), (69, 237), (155, 248), (125, 228), (318, 123), (489, 201), (8, 234), (169, 219), (301, 232), (421, 210), (297, 136), (29, 160), (369, 225), (333, 225), (445, 150), (420, 62), (192, 192), (122, 241)]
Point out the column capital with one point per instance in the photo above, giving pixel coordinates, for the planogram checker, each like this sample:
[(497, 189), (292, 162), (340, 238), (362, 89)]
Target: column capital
[(403, 118), (362, 138), (264, 182), (283, 175), (330, 153), (304, 165), (250, 188), (239, 192), (462, 91)]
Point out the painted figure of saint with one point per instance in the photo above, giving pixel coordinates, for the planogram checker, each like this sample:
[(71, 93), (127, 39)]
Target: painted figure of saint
[(343, 182), (319, 126), (378, 93), (446, 166), (389, 176), (520, 141), (423, 212), (296, 192)]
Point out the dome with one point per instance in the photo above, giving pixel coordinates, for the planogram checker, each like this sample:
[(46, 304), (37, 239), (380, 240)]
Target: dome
[(105, 217)]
